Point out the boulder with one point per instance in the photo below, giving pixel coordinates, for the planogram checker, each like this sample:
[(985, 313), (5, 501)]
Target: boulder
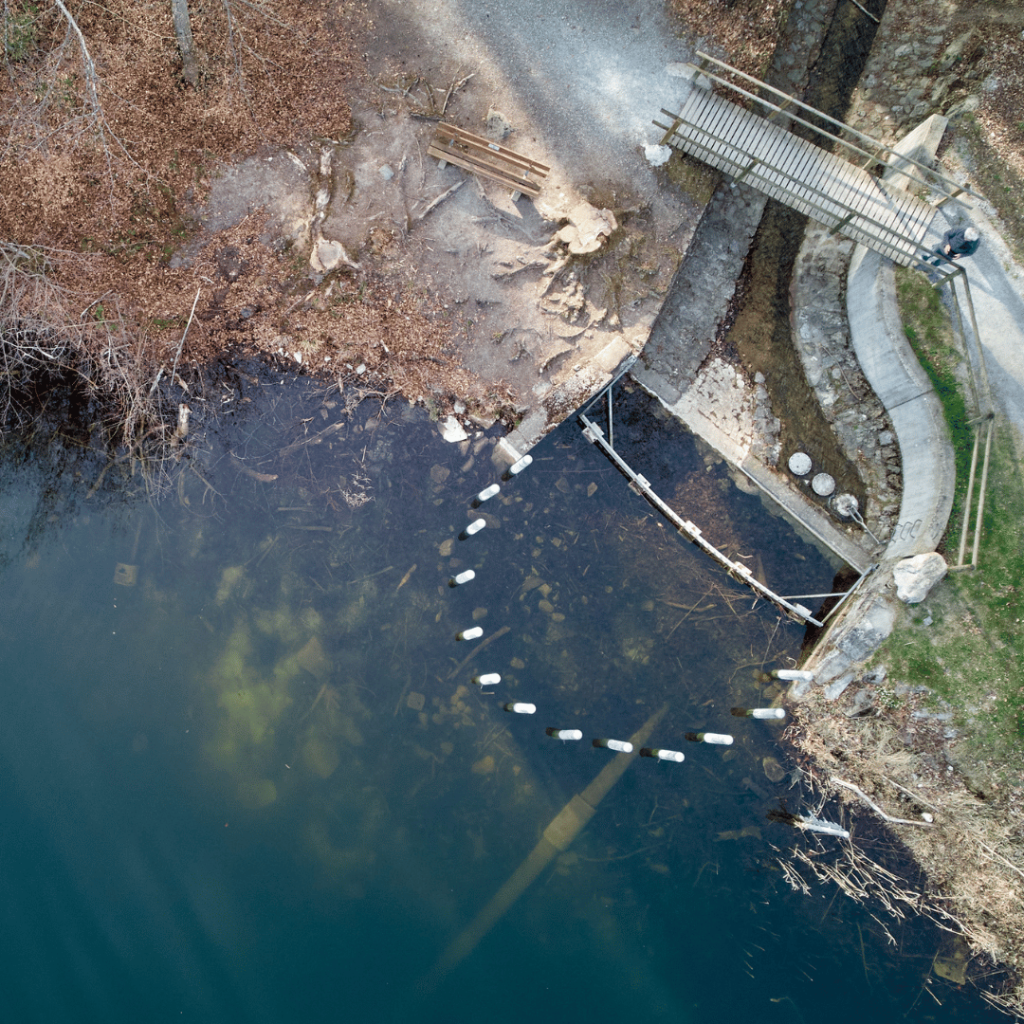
[(452, 430), (916, 576)]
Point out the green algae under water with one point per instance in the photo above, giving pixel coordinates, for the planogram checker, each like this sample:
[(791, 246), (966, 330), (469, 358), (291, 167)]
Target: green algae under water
[(258, 783)]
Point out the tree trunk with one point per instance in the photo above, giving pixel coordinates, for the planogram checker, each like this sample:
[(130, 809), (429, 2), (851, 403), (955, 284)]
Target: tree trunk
[(183, 33)]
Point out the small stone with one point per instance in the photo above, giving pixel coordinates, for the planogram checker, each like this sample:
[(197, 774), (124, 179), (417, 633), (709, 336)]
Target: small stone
[(861, 704), (834, 690), (386, 173)]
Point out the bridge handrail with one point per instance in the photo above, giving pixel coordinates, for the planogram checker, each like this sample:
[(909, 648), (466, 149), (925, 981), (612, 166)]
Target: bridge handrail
[(911, 243), (958, 189)]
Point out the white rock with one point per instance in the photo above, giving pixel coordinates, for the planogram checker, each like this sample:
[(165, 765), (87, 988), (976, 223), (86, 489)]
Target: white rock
[(657, 155), (917, 575), (451, 430), (587, 228)]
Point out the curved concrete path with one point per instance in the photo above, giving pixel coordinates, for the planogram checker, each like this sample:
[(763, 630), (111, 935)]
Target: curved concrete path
[(892, 370)]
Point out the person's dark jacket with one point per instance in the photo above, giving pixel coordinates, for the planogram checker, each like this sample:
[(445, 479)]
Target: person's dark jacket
[(958, 244)]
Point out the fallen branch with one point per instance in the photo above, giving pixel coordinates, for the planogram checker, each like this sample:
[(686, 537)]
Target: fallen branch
[(962, 828), (476, 650), (878, 810), (437, 201)]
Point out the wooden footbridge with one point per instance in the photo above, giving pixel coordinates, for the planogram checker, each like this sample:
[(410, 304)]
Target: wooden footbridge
[(761, 149)]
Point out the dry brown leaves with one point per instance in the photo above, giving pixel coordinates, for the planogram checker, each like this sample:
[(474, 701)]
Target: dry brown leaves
[(744, 31), (119, 182)]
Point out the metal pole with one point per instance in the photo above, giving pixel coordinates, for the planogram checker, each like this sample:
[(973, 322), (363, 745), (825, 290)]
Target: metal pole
[(967, 500), (981, 494), (611, 435), (840, 602)]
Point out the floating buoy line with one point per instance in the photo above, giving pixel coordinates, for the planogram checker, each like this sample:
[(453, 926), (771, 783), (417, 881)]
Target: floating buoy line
[(487, 682), (571, 820)]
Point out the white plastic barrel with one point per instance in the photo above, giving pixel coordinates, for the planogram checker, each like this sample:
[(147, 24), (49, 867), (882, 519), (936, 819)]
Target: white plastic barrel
[(487, 679), (473, 633), (715, 737), (620, 746), (463, 577), (521, 709), (565, 734), (517, 467), (474, 527), (767, 713), (793, 673), (663, 755), (485, 495)]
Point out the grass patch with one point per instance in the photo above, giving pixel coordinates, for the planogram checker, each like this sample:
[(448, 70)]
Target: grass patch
[(965, 641), (969, 653), (927, 325)]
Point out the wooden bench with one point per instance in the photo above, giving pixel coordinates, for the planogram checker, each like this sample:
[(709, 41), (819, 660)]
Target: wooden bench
[(452, 145)]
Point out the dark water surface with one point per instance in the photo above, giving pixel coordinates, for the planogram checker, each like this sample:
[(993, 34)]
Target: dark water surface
[(257, 785)]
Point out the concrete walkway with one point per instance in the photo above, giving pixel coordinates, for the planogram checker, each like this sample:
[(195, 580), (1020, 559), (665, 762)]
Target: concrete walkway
[(895, 375), (997, 287)]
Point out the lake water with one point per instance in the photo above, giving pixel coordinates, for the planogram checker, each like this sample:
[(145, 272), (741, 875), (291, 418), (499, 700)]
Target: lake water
[(247, 776)]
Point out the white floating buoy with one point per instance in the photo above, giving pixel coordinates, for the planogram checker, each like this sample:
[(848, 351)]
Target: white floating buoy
[(793, 673), (823, 485), (473, 633), (564, 734), (474, 527), (759, 712), (463, 577), (487, 679), (662, 755), (485, 495), (622, 746), (521, 709), (517, 467), (710, 737), (799, 464)]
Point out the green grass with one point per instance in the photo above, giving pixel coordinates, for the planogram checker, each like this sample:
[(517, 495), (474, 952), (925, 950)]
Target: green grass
[(971, 654), (18, 31), (927, 326)]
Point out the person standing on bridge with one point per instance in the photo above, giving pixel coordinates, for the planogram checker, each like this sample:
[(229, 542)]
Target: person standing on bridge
[(956, 243)]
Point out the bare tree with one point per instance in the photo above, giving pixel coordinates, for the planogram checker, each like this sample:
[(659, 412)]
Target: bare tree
[(183, 33)]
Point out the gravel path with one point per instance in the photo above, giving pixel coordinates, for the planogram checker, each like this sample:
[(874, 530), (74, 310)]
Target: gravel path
[(582, 81)]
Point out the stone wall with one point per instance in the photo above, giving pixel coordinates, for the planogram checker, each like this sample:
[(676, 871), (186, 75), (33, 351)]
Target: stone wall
[(912, 73)]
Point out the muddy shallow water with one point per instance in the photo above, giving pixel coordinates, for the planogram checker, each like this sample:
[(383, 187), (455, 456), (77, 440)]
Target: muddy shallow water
[(250, 777)]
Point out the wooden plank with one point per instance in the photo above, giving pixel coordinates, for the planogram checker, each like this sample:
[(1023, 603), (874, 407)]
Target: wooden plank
[(481, 156), (482, 160), (450, 131), (515, 182)]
